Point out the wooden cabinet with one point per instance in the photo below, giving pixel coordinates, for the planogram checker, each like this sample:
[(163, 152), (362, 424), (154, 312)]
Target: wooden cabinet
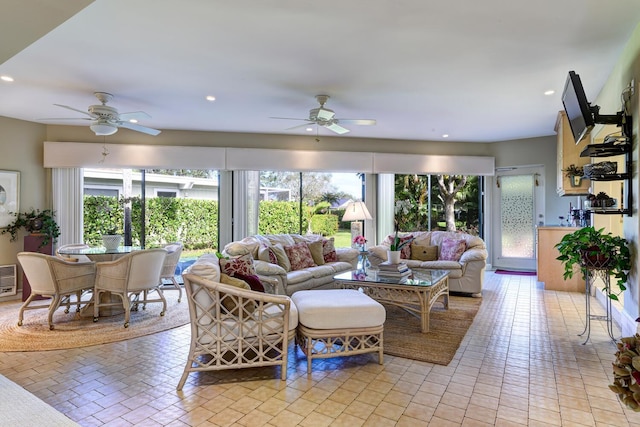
[(550, 270), (568, 154)]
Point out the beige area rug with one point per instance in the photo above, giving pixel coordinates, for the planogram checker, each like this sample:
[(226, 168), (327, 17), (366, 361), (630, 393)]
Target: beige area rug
[(73, 331), (447, 328)]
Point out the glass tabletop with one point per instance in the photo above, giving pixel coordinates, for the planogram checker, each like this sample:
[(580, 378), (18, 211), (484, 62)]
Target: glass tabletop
[(416, 278), (98, 250)]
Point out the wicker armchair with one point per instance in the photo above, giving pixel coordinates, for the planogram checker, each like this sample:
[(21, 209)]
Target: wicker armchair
[(50, 276), (129, 277), (174, 250), (256, 333)]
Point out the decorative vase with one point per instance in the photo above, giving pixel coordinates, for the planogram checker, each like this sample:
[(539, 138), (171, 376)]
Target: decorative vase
[(393, 257), (111, 242), (575, 180)]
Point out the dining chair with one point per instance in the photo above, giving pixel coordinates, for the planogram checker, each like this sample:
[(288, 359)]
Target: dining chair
[(51, 276), (174, 250), (131, 278)]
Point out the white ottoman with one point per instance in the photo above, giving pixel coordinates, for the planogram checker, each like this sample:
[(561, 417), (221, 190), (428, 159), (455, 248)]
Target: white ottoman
[(338, 322)]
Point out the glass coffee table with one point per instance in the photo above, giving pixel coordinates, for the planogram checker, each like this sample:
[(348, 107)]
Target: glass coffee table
[(415, 294)]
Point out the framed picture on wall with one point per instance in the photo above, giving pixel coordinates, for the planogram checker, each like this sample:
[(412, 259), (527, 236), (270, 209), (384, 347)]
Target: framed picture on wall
[(9, 196)]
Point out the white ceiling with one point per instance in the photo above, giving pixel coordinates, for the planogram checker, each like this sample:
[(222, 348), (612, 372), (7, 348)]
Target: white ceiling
[(475, 70)]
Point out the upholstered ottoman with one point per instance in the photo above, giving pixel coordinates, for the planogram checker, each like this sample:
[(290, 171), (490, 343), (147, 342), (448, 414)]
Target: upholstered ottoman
[(338, 322)]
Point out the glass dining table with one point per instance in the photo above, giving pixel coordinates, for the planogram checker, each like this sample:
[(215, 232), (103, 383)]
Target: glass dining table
[(99, 253)]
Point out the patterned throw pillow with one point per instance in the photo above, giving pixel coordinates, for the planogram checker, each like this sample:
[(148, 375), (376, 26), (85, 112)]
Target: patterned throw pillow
[(424, 252), (452, 249), (242, 265), (329, 250), (405, 252), (299, 256), (266, 253), (229, 302), (316, 252), (252, 280)]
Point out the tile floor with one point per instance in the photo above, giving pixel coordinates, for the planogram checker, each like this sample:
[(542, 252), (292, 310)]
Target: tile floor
[(520, 364)]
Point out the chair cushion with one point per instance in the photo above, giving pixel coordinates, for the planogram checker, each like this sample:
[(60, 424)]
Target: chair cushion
[(452, 249), (252, 280), (207, 269), (229, 303), (424, 253), (337, 309)]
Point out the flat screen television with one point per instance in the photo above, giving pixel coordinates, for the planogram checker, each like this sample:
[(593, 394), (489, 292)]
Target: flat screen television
[(578, 109)]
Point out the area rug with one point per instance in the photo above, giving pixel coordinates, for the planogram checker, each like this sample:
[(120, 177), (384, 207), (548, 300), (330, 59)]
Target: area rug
[(447, 328), (516, 272), (72, 330)]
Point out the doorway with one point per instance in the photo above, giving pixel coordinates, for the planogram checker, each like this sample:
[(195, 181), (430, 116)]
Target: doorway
[(519, 199)]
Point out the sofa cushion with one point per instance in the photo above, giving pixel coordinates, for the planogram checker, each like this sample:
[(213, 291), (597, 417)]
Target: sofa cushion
[(299, 256), (281, 255), (329, 250), (316, 252), (266, 253), (298, 276), (242, 264), (252, 280), (322, 270), (424, 252), (207, 268), (452, 249)]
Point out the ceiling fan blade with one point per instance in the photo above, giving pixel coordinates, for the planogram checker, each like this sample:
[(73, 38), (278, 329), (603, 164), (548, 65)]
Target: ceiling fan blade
[(301, 126), (363, 122), (134, 115), (75, 109), (138, 128), (325, 114), (65, 118), (288, 118), (337, 128)]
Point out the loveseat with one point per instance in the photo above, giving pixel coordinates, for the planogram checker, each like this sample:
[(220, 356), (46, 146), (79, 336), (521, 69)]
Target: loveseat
[(293, 262), (464, 255)]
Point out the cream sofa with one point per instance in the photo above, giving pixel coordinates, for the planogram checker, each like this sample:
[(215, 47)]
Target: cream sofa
[(279, 274), (465, 275)]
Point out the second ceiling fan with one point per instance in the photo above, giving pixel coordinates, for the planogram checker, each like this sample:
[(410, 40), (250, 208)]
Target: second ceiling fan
[(323, 116)]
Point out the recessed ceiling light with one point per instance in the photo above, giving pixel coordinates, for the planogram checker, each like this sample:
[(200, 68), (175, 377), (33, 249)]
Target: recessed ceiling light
[(446, 135), (133, 121), (210, 98), (6, 78), (309, 129), (549, 92)]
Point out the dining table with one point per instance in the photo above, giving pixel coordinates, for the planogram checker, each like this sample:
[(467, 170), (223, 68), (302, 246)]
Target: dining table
[(99, 253)]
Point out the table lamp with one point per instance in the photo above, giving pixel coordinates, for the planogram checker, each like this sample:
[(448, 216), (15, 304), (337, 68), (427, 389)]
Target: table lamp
[(356, 212)]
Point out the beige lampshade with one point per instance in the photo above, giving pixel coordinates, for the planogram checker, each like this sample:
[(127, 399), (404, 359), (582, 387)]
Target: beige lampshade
[(356, 211)]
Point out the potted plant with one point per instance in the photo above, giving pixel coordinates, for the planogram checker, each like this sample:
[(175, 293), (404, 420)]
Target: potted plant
[(575, 174), (35, 221), (111, 239), (393, 254), (588, 248)]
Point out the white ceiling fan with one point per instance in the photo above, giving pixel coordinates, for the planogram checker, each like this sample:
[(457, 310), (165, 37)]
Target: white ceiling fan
[(105, 120), (325, 117)]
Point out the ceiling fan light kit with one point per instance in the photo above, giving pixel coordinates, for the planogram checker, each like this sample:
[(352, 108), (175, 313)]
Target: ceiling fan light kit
[(103, 128)]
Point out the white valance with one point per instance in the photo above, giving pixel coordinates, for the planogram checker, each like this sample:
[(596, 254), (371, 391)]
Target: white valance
[(78, 154)]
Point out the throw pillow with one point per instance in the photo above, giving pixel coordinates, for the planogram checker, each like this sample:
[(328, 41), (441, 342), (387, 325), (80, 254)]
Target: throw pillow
[(242, 265), (281, 255), (230, 303), (252, 280), (329, 250), (266, 253), (316, 252), (452, 249), (299, 256), (424, 252), (405, 252), (205, 269)]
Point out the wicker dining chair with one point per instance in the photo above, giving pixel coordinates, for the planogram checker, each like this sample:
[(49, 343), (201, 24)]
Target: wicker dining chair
[(50, 276), (254, 333), (174, 250), (132, 278)]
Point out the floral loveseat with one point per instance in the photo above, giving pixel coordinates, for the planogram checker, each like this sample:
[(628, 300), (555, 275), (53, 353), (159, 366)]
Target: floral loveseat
[(464, 255), (293, 262)]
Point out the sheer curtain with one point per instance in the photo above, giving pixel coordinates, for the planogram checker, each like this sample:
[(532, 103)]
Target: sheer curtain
[(67, 186)]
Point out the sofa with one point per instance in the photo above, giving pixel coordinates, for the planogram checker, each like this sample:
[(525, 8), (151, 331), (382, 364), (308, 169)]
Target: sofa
[(463, 255), (293, 262)]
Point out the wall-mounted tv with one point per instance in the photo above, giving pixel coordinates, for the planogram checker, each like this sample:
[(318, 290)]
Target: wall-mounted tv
[(578, 109)]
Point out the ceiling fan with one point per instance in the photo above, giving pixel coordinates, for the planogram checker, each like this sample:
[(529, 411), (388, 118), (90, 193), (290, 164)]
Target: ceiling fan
[(325, 117), (105, 120)]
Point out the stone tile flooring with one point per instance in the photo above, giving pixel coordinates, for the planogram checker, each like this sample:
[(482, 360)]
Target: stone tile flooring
[(520, 364)]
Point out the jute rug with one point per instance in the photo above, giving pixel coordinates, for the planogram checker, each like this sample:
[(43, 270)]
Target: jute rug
[(447, 328), (73, 331)]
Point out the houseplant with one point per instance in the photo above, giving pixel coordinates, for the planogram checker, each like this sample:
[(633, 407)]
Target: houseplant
[(111, 239), (574, 173), (393, 254), (35, 221), (588, 248)]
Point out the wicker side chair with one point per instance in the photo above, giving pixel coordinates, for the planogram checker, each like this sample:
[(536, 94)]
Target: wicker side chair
[(53, 277), (256, 333), (174, 250), (128, 277)]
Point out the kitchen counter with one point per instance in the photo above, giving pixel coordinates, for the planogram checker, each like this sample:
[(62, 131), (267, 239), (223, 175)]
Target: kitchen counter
[(550, 270)]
